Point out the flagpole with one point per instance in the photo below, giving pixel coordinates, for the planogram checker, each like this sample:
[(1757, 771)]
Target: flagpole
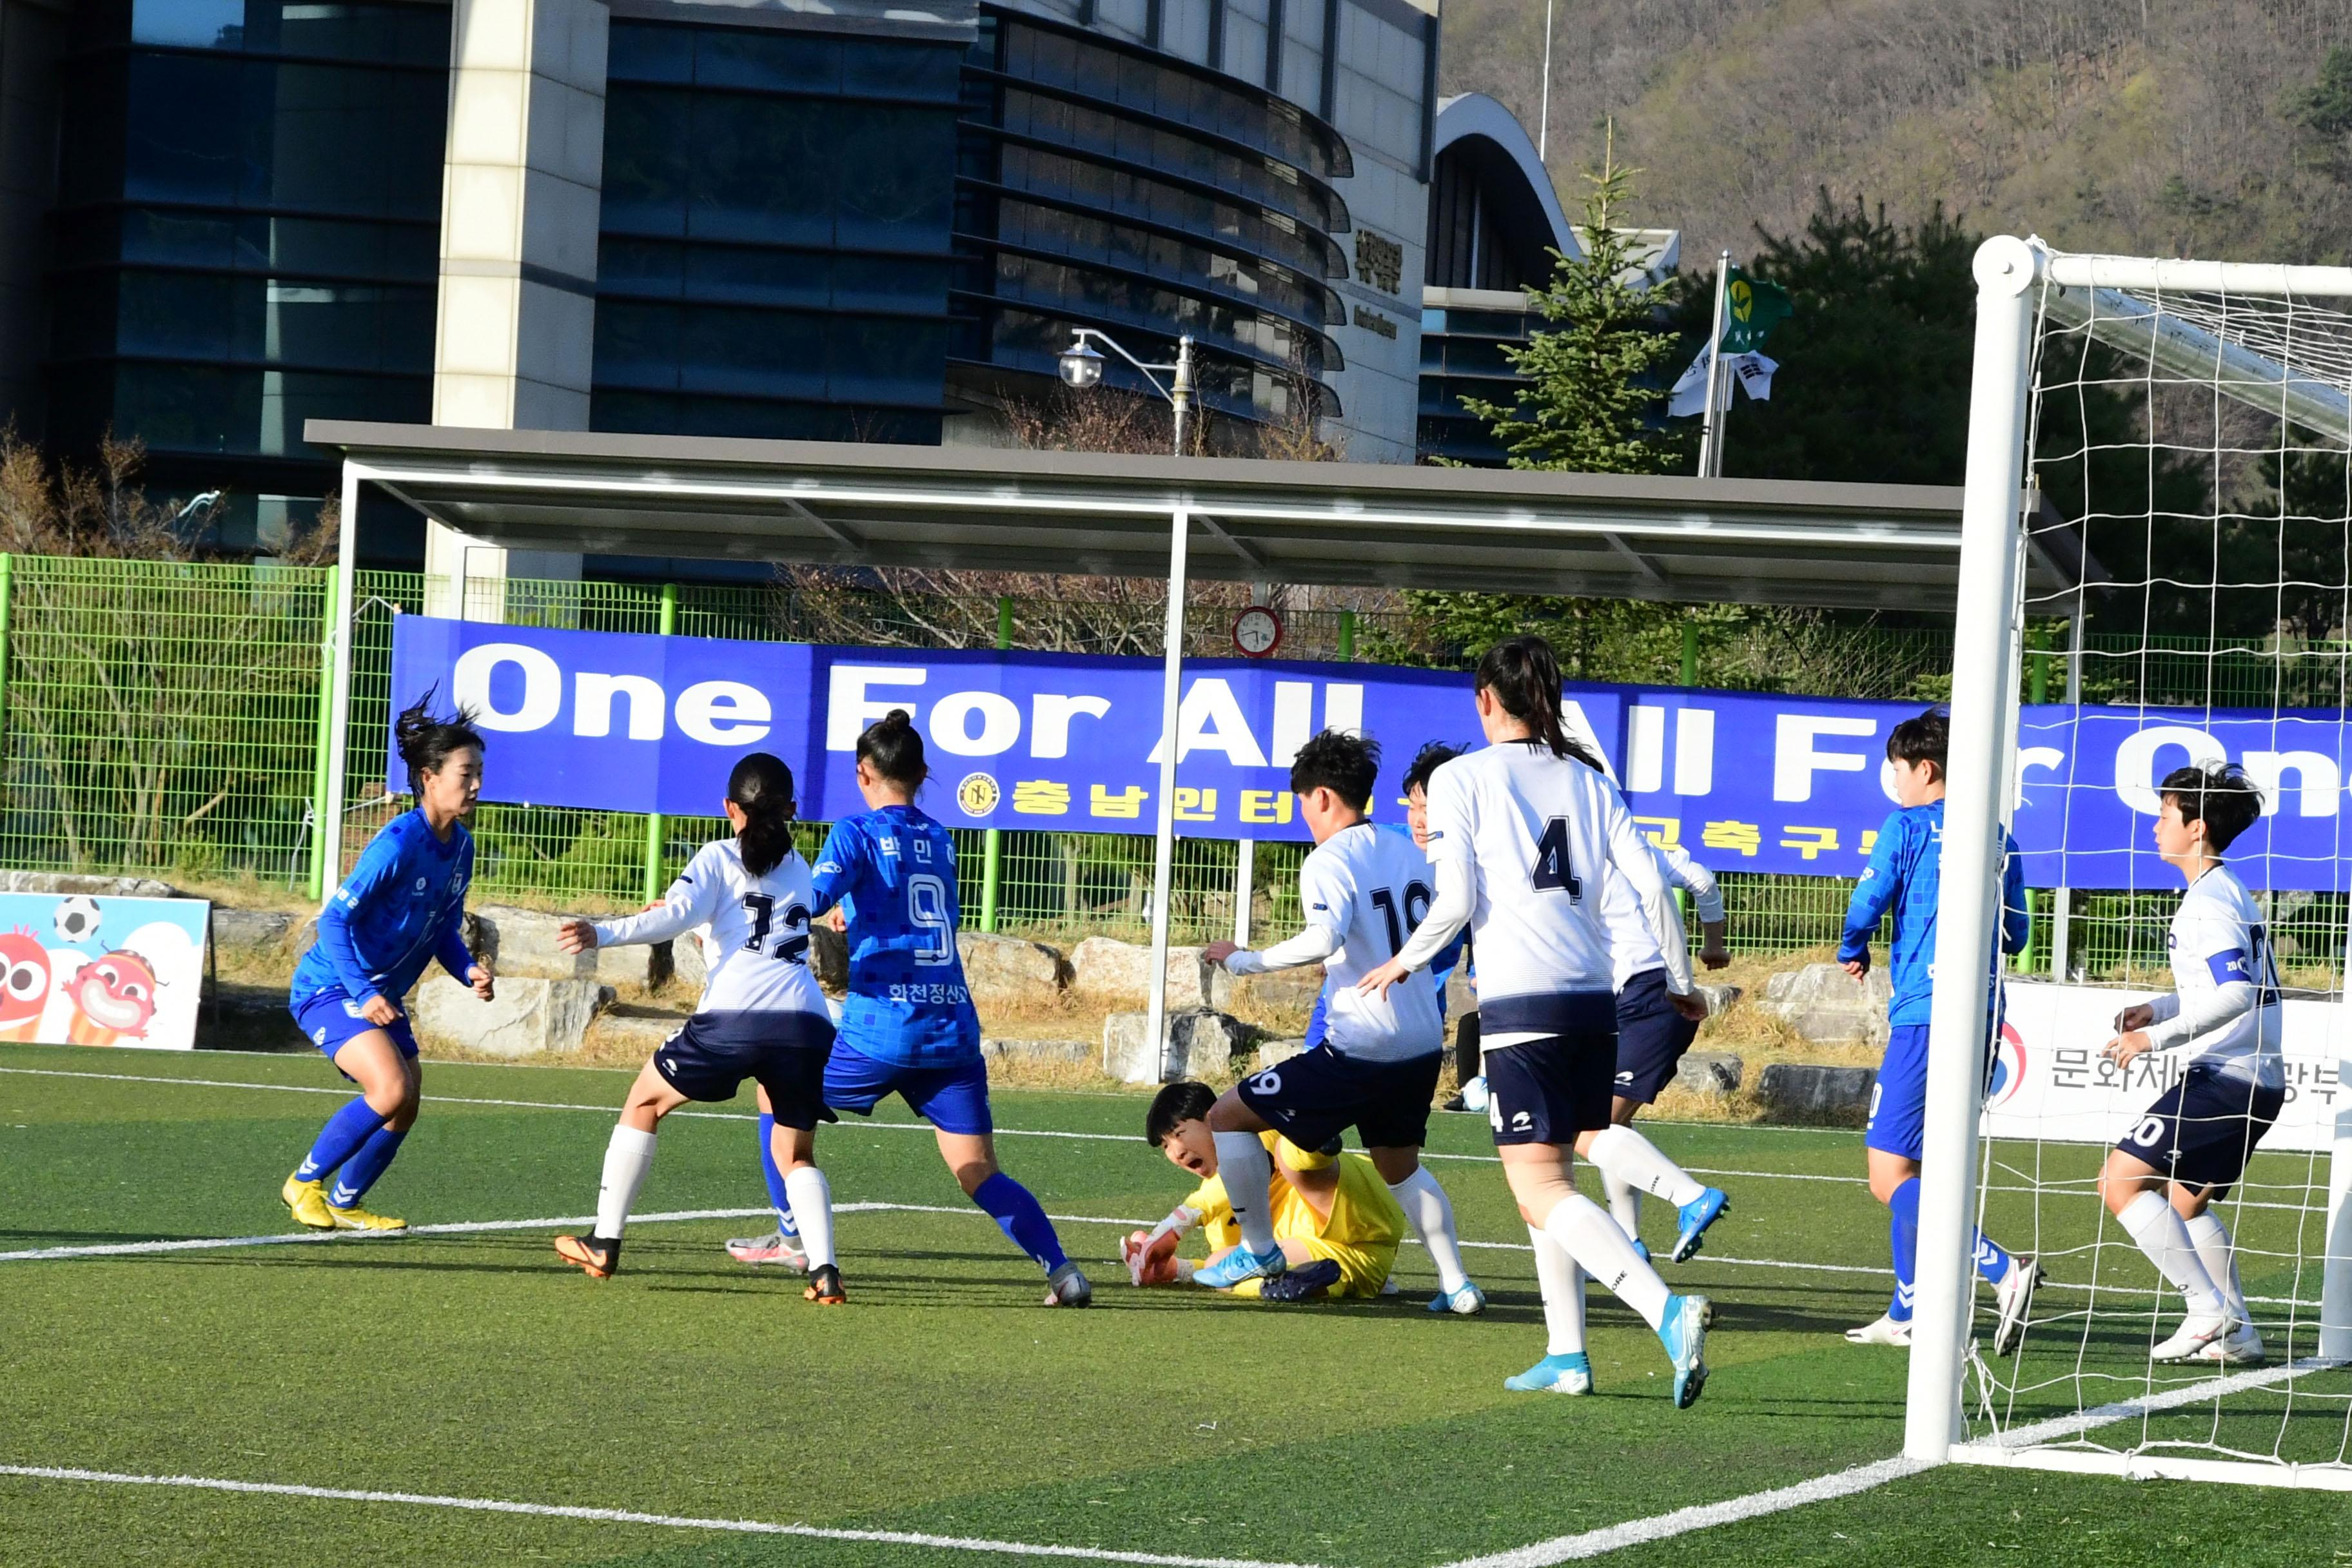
[(1543, 115), (1711, 437)]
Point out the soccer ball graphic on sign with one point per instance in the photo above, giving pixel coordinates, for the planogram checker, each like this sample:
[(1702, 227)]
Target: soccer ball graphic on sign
[(77, 919)]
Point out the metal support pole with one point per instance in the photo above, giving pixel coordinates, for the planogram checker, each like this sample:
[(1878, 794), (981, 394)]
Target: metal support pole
[(992, 874), (1983, 685), (1346, 635), (1690, 652), (1164, 841), (7, 598), (2336, 1272), (2037, 692), (321, 736), (1543, 110), (657, 825), (1180, 392), (1710, 430), (2062, 897), (1244, 875), (338, 717)]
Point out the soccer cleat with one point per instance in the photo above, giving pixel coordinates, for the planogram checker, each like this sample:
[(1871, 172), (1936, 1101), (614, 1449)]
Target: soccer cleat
[(1474, 1094), (1641, 1249), (1067, 1286), (307, 1202), (1555, 1374), (1389, 1286), (1884, 1331), (353, 1218), (1299, 1284), (1241, 1264), (591, 1255), (2242, 1346), (824, 1287), (2015, 1296), (1467, 1302), (1683, 1332), (773, 1248), (1696, 1216), (2195, 1332)]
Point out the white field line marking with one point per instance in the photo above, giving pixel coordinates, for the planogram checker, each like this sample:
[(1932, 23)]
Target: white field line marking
[(626, 1516), (1863, 1478)]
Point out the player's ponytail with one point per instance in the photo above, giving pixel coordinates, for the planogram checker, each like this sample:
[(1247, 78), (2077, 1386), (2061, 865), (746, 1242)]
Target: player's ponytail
[(1524, 677), (761, 786), (426, 741), (893, 748)]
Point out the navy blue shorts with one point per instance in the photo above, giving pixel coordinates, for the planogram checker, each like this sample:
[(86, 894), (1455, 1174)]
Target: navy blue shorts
[(2202, 1129), (331, 1020), (953, 1098), (1650, 1037), (1317, 1095), (1548, 1091), (783, 1053)]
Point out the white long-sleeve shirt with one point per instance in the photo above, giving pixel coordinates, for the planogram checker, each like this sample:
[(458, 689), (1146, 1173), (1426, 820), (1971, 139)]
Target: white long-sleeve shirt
[(2224, 1006), (758, 930), (1634, 947)]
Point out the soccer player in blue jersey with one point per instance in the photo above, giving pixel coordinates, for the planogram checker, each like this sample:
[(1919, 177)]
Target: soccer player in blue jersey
[(1903, 876), (401, 907), (908, 1027)]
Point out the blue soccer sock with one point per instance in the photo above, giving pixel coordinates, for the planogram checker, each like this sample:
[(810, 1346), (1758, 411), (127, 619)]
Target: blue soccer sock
[(361, 1170), (1902, 1240), (777, 1196), (1991, 1262), (1024, 1223), (339, 1139)]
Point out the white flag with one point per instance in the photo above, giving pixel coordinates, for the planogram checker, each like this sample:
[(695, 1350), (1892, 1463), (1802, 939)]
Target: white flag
[(1755, 374), (1751, 371), (1689, 396)]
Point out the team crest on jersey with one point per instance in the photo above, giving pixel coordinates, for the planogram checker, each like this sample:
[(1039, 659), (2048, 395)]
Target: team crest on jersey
[(977, 793)]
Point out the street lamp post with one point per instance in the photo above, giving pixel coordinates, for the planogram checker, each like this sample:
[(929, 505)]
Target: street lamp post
[(1082, 367)]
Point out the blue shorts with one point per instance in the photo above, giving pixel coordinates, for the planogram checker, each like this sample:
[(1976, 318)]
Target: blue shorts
[(1317, 1095), (1899, 1100), (953, 1098), (1650, 1037), (2202, 1129), (331, 1020)]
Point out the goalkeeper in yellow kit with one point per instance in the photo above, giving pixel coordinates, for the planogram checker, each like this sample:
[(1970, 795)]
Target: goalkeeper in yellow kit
[(1333, 1216)]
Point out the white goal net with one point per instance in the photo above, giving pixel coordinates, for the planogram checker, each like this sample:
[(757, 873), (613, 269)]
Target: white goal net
[(2180, 431)]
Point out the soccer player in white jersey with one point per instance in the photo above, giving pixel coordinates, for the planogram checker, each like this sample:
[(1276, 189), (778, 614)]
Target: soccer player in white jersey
[(2192, 1144), (1655, 1028), (761, 1016), (1362, 891), (1522, 837)]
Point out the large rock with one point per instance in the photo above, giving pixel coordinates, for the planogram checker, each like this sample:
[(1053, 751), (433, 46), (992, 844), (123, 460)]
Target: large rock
[(1119, 974), (1796, 1089), (250, 928), (998, 1051), (1718, 998), (1006, 969), (1709, 1073), (1461, 992), (1282, 991), (1273, 1052), (828, 958), (521, 943), (1198, 1041), (531, 1018), (96, 886), (1828, 1006), (640, 1030)]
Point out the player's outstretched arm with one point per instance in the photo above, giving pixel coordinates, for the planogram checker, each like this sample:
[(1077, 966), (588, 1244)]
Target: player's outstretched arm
[(687, 904), (1312, 945), (1872, 895)]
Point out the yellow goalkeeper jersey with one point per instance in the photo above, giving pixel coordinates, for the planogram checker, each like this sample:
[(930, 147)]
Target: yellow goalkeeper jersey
[(1361, 1235)]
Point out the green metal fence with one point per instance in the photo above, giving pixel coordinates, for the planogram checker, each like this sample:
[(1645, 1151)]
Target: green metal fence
[(171, 718)]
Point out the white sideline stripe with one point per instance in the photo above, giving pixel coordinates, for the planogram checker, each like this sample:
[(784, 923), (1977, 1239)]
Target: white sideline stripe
[(744, 1116), (1866, 1477), (626, 1516)]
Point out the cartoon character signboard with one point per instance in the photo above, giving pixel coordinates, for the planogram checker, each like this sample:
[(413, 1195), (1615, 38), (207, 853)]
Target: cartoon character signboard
[(84, 971)]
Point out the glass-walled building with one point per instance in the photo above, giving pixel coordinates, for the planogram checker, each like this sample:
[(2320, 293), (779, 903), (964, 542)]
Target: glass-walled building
[(837, 219)]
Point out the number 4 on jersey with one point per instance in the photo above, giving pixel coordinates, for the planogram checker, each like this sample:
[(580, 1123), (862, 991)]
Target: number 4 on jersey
[(1551, 867)]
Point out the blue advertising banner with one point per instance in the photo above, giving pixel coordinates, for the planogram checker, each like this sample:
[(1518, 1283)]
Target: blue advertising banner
[(628, 722)]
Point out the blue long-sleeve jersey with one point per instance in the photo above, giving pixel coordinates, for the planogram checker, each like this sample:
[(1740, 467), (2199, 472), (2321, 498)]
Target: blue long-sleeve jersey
[(893, 871), (402, 905), (1905, 874)]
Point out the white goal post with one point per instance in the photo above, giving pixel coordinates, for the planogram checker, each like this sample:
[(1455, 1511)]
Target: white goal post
[(2124, 302)]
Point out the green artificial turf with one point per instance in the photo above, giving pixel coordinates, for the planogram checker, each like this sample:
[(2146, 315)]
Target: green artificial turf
[(943, 1399)]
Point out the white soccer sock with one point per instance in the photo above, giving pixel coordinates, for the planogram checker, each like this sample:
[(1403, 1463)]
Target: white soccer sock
[(2211, 1238), (1247, 1171), (1562, 1283), (1432, 1213), (1584, 1228), (1621, 1153), (1624, 1204), (2157, 1227), (627, 1158), (812, 1197)]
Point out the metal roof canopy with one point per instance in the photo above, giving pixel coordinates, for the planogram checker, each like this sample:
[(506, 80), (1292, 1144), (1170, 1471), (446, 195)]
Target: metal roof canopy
[(850, 504), (853, 504)]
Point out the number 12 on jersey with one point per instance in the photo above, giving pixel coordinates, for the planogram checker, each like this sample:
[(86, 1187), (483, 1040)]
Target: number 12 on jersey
[(1552, 871)]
